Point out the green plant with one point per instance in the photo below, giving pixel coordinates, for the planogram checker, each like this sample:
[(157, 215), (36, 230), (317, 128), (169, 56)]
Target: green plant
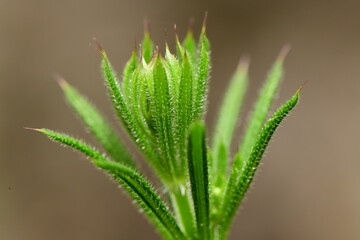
[(161, 103)]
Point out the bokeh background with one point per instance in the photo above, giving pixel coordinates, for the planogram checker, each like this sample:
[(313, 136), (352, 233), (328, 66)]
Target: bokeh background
[(308, 186)]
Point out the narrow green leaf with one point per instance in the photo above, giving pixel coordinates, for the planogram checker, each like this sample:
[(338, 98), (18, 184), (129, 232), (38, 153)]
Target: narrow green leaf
[(163, 114), (147, 46), (203, 39), (73, 143), (118, 100), (198, 171), (182, 116), (133, 183), (124, 114), (231, 106), (202, 77), (227, 119), (174, 75), (227, 197), (148, 95), (138, 102), (179, 48), (262, 107), (189, 44), (101, 129), (128, 72), (182, 204), (247, 173), (184, 109), (218, 182), (173, 72), (147, 199)]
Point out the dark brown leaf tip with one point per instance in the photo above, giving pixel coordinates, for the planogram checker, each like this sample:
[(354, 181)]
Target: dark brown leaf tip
[(203, 30), (98, 47)]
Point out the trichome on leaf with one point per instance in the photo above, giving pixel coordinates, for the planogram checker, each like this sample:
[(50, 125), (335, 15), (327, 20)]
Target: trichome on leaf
[(160, 102)]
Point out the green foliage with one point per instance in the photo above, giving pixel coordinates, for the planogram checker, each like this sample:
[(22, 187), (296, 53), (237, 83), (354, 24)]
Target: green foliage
[(99, 127), (262, 106), (224, 130), (133, 183), (160, 102), (198, 171), (238, 189)]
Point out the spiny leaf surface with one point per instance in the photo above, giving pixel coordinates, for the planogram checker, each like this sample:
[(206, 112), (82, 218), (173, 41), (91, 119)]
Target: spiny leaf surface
[(198, 171), (101, 129), (240, 187)]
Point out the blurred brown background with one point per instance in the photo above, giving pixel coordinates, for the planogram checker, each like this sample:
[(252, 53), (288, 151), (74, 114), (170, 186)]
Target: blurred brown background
[(308, 186)]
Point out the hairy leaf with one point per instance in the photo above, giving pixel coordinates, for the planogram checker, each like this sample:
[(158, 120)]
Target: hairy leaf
[(73, 143), (147, 46), (127, 74), (138, 102), (174, 75), (238, 190), (185, 108), (101, 129), (146, 197), (202, 77), (163, 114), (189, 44), (227, 119), (161, 103), (123, 112), (198, 171), (262, 107), (183, 208), (133, 183)]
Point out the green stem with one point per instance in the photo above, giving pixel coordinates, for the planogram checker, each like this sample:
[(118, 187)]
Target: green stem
[(183, 209)]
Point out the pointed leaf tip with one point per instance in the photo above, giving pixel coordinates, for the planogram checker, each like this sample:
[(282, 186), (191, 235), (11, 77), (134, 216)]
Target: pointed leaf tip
[(244, 63), (157, 54), (135, 45), (146, 26), (302, 86), (141, 55), (60, 80), (97, 45), (166, 35), (284, 52), (34, 129), (204, 22), (191, 24), (176, 34), (167, 49), (175, 29)]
